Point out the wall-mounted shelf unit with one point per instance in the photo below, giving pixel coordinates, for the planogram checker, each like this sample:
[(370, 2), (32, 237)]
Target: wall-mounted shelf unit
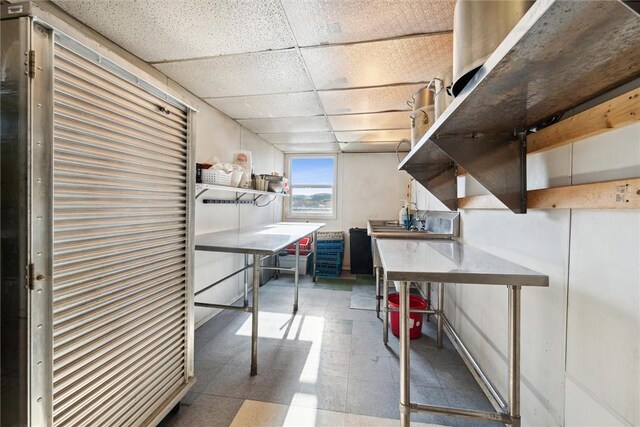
[(239, 194), (560, 55)]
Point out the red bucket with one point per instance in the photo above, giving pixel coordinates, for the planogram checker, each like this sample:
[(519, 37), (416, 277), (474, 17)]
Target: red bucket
[(415, 319)]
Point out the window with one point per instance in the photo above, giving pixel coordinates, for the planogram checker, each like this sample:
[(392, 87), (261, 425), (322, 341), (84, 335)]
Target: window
[(312, 185)]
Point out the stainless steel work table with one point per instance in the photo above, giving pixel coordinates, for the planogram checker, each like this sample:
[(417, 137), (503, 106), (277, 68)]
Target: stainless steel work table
[(449, 261), (259, 242)]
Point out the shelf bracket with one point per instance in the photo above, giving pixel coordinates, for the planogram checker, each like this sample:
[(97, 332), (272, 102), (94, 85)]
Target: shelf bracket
[(496, 161)]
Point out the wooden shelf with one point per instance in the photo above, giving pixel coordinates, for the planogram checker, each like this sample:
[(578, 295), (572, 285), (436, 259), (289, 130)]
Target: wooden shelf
[(202, 188)]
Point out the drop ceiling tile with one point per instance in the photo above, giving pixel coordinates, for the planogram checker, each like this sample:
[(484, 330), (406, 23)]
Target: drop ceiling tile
[(160, 30), (308, 148), (405, 60), (391, 120), (236, 75), (298, 138), (373, 147), (263, 106), (371, 136), (369, 100), (316, 22), (287, 124)]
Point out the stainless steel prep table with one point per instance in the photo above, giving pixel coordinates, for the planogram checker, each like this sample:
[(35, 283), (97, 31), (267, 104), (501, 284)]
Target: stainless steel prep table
[(449, 261), (259, 241)]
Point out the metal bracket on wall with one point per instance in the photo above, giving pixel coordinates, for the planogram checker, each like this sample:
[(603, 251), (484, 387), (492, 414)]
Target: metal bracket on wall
[(228, 202)]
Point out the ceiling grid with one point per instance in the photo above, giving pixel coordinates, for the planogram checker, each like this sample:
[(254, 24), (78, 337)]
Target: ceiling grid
[(312, 76)]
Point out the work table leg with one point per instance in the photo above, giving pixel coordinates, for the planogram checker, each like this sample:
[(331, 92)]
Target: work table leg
[(441, 313), (297, 276), (254, 315), (246, 280), (514, 355), (378, 296), (385, 311), (405, 402), (315, 254)]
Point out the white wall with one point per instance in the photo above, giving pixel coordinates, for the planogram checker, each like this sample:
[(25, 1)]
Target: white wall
[(580, 336), (217, 135), (370, 186)]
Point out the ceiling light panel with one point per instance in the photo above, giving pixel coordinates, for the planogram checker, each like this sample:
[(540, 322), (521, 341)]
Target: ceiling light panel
[(308, 148), (373, 147), (298, 138), (159, 30), (405, 60), (316, 22), (236, 75), (263, 106), (287, 124), (392, 120), (375, 135), (369, 100)]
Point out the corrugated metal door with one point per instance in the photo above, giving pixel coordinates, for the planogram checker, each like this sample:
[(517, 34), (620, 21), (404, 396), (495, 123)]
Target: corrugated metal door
[(120, 237)]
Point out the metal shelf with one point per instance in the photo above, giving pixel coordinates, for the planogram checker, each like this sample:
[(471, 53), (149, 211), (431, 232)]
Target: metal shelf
[(240, 192), (560, 55)]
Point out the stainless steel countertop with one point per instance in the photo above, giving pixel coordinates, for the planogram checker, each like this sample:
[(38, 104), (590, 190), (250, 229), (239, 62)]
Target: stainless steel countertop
[(451, 261), (264, 239)]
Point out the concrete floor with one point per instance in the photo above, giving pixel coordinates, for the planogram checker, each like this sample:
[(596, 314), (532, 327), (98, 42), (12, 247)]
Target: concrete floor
[(326, 365)]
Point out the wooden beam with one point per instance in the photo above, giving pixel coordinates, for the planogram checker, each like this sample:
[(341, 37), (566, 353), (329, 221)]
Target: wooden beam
[(617, 112), (620, 194)]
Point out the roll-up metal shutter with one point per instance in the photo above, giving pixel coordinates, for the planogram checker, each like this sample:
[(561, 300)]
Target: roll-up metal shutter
[(120, 237)]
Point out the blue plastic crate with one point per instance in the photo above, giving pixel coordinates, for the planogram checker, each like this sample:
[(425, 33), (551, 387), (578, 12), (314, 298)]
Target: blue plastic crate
[(331, 247), (329, 258), (329, 271)]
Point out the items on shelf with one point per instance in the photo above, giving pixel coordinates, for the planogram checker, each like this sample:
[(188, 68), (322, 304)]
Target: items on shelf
[(243, 159), (330, 253)]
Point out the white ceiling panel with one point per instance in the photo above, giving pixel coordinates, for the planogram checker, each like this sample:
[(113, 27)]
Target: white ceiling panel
[(235, 75), (287, 124), (159, 30), (299, 138), (369, 100), (392, 120), (374, 135), (316, 22), (373, 147), (264, 106), (308, 148), (405, 60)]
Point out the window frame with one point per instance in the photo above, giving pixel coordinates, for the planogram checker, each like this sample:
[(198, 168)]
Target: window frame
[(288, 214)]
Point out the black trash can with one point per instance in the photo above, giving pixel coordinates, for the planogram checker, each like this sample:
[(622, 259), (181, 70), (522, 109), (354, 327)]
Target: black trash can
[(361, 257)]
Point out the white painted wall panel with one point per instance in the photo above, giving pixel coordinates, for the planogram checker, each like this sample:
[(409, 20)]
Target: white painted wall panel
[(604, 307), (611, 155), (583, 410), (540, 241)]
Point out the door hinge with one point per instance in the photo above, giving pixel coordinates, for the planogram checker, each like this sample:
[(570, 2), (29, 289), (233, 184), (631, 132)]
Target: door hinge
[(32, 64), (29, 283)]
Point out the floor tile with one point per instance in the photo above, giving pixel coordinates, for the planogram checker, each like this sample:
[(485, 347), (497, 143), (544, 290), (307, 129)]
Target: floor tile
[(253, 413), (231, 381), (326, 392), (205, 410), (370, 367), (275, 385), (374, 398)]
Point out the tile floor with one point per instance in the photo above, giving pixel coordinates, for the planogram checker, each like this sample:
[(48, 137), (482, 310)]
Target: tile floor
[(326, 365)]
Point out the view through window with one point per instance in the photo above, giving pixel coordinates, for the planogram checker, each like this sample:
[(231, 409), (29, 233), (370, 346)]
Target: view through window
[(312, 184)]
